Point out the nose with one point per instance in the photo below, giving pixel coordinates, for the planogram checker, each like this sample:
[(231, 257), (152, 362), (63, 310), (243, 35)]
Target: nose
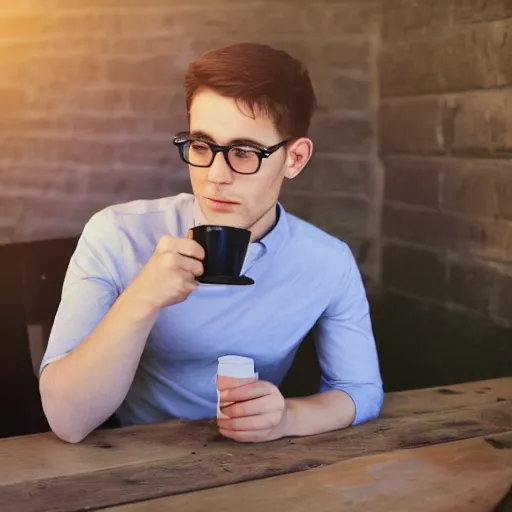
[(219, 172)]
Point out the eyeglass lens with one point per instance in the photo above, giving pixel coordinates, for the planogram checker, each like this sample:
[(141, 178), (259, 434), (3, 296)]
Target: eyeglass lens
[(242, 158)]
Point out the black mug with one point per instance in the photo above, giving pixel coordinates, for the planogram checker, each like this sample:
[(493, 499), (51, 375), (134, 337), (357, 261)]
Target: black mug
[(225, 249)]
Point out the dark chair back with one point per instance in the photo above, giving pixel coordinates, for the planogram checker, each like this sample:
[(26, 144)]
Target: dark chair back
[(31, 277)]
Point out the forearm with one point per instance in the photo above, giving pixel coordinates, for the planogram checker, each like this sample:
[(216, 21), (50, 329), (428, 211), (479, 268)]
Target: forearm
[(84, 388), (319, 413)]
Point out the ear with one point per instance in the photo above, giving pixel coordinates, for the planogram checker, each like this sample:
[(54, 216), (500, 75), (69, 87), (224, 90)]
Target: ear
[(298, 155)]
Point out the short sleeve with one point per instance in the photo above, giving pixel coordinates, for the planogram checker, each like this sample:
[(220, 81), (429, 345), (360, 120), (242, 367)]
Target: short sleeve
[(345, 343), (89, 289)]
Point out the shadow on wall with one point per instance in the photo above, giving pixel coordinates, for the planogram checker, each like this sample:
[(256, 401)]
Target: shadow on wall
[(419, 346)]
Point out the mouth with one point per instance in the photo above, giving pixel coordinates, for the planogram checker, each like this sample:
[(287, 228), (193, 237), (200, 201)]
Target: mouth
[(221, 201)]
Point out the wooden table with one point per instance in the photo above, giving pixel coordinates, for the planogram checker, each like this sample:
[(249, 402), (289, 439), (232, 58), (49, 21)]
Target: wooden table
[(439, 449)]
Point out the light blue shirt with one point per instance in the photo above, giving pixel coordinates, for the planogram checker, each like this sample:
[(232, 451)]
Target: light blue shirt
[(302, 276)]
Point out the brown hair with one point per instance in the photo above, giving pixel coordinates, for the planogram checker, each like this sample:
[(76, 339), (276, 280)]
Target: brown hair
[(262, 78)]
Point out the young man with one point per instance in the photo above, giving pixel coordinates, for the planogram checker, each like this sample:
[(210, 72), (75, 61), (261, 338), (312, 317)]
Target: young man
[(136, 335)]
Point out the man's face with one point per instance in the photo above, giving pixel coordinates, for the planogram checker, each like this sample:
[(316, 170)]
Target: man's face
[(226, 197)]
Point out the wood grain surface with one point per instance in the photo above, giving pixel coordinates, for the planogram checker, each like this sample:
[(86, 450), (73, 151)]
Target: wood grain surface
[(138, 463), (469, 476), (418, 401)]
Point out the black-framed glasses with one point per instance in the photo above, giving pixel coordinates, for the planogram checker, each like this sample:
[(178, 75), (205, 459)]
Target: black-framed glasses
[(241, 158)]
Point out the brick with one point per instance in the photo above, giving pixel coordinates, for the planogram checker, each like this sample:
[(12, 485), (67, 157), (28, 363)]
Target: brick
[(91, 44), (480, 57), (152, 153), (131, 185), (504, 310), (405, 18), (412, 180), (232, 19), (329, 213), (300, 206), (13, 101), (13, 71), (11, 208), (157, 102), (104, 128), (341, 174), (174, 123), (97, 22), (342, 17), (470, 284), (304, 182), (488, 239), (334, 173), (478, 187), (22, 126), (350, 213), (322, 57), (22, 24), (343, 92), (474, 11), (64, 71), (39, 181), (412, 126), (88, 152), (53, 217), (413, 270), (341, 134), (96, 101), (111, 101), (116, 127), (504, 197), (157, 71), (482, 122), (40, 210), (260, 19)]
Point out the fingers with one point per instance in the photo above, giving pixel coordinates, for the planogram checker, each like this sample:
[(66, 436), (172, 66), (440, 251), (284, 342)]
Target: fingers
[(247, 436), (253, 407), (259, 422), (252, 419), (181, 253), (184, 246), (188, 264), (189, 283), (190, 248), (247, 391)]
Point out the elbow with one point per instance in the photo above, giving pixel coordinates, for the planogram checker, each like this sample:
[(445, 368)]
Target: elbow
[(59, 419), (66, 432), (368, 400), (68, 435), (62, 426), (372, 401)]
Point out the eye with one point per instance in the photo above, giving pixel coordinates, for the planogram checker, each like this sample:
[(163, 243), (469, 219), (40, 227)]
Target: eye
[(243, 152), (199, 146)]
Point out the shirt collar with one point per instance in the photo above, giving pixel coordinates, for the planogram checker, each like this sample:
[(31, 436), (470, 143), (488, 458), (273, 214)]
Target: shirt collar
[(271, 242)]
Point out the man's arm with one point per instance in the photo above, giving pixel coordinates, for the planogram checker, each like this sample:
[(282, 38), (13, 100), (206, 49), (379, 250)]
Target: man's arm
[(318, 413), (99, 334), (83, 388), (351, 389)]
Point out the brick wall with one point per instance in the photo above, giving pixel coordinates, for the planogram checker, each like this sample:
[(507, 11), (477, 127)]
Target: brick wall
[(446, 144), (91, 96)]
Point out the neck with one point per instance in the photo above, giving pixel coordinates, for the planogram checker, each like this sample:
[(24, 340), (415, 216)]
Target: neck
[(264, 224)]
